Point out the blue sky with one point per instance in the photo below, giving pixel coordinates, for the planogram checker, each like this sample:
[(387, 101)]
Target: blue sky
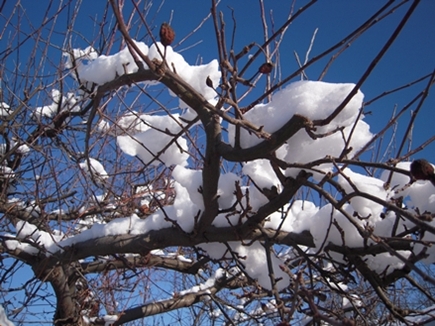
[(410, 57)]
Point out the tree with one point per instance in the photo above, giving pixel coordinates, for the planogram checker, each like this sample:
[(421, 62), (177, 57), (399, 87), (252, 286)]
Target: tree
[(228, 199)]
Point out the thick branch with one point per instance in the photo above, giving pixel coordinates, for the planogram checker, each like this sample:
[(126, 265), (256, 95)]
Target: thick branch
[(141, 261), (66, 313), (170, 237), (186, 300), (263, 149)]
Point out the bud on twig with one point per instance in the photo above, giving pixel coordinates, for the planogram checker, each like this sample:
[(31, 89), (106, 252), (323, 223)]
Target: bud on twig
[(266, 68), (422, 170)]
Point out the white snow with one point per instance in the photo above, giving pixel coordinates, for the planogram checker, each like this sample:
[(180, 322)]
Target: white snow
[(144, 136), (5, 109), (425, 317), (104, 68), (373, 186), (385, 262), (192, 181), (194, 75), (204, 287), (420, 195), (6, 172), (40, 240), (103, 126), (293, 218), (352, 299), (262, 173), (4, 321), (79, 56), (155, 137), (48, 110), (59, 103), (314, 100), (95, 169), (108, 319), (254, 260)]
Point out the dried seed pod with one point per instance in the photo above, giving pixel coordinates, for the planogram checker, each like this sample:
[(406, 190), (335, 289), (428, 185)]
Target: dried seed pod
[(266, 68), (167, 34), (422, 170)]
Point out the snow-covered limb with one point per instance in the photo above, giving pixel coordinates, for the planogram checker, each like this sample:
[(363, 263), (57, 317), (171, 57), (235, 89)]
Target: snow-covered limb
[(213, 285), (154, 142), (103, 69), (252, 256)]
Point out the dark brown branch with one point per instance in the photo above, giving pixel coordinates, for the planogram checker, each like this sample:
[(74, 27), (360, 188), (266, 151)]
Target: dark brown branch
[(267, 146), (142, 261), (185, 300)]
